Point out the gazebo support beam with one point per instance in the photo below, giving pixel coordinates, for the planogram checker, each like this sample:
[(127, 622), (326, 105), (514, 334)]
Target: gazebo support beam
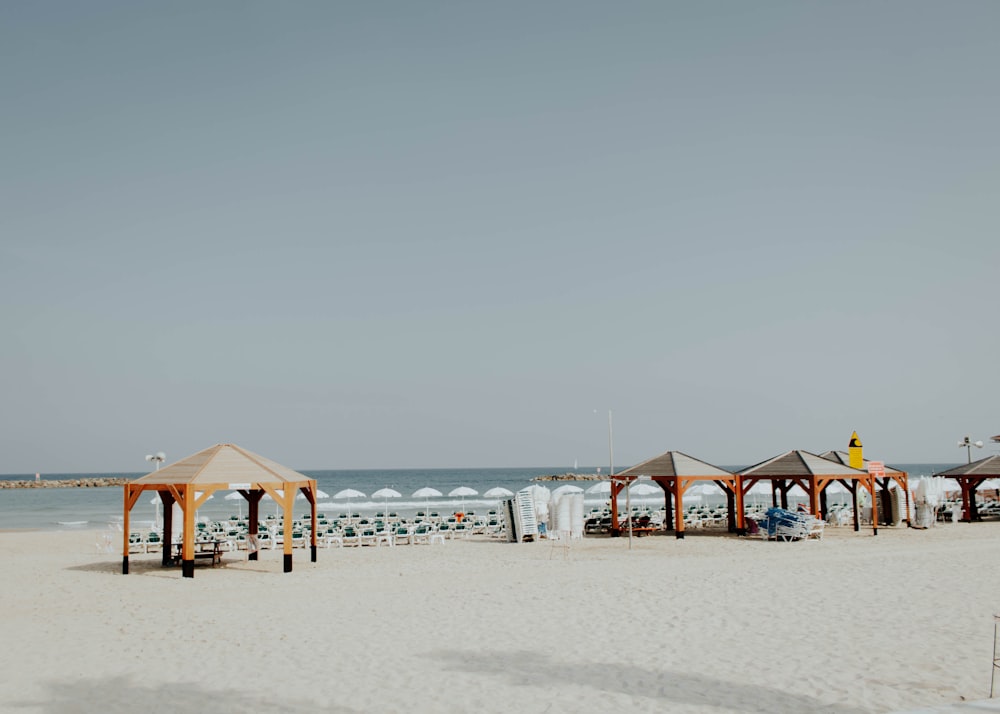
[(253, 516), (187, 549), (166, 550), (125, 527)]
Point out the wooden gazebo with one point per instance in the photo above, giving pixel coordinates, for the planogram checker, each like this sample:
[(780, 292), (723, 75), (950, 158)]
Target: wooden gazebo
[(900, 477), (675, 472), (812, 474), (970, 477), (190, 481)]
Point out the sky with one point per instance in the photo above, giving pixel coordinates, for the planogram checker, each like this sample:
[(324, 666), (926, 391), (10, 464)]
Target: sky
[(459, 234)]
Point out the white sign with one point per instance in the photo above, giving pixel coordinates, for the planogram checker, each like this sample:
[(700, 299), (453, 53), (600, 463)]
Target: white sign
[(876, 468), (239, 486)]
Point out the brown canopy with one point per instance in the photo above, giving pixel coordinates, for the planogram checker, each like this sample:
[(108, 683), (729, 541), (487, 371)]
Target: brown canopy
[(675, 472), (891, 474), (190, 481), (812, 473), (970, 477)]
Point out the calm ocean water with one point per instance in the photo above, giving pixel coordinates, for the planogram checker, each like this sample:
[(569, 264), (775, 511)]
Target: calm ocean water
[(37, 508)]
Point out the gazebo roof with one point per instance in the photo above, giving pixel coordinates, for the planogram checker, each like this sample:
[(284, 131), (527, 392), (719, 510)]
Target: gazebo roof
[(988, 467), (223, 463), (675, 463), (842, 457), (799, 464)]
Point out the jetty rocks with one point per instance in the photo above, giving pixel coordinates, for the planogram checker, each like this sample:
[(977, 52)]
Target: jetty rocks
[(570, 477), (99, 482)]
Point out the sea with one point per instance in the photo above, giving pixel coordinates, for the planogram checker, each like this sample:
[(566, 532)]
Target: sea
[(88, 508)]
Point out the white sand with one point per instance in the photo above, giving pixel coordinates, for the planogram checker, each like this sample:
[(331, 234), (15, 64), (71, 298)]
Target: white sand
[(854, 623)]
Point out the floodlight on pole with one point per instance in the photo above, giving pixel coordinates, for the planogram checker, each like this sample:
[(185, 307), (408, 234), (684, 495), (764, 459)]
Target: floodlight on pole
[(968, 444), (159, 457)]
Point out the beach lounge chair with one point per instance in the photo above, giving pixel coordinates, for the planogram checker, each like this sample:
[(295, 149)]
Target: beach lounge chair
[(351, 537), (136, 543), (264, 540), (332, 536), (402, 535), (153, 543), (421, 534)]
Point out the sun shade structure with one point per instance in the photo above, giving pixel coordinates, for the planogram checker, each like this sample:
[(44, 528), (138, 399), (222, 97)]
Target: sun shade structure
[(675, 472), (900, 477), (970, 477), (192, 481), (811, 473)]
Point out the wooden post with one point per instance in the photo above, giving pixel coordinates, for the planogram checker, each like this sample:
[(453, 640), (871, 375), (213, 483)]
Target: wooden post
[(614, 508), (730, 489), (253, 514), (854, 499), (167, 550), (312, 537), (125, 527), (187, 549), (679, 497), (813, 497), (874, 507), (741, 523), (669, 519), (288, 498)]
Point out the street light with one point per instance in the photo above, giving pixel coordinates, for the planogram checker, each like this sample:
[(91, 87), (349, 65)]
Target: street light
[(968, 444), (159, 457)]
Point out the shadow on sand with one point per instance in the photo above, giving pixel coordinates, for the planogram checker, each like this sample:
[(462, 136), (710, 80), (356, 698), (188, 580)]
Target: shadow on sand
[(672, 689), (123, 694)]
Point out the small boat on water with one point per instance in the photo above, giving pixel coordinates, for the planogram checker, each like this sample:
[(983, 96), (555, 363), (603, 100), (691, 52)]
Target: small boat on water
[(72, 523)]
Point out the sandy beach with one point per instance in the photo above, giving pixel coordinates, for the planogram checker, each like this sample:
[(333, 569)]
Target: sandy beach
[(713, 623)]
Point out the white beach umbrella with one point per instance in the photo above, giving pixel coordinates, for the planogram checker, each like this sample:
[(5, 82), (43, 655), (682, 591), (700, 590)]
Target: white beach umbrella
[(644, 489), (428, 493), (498, 492), (155, 500), (348, 494), (267, 497), (761, 488), (236, 496), (462, 492), (704, 489), (600, 487), (319, 495), (567, 488), (835, 488), (950, 485), (540, 493), (386, 493)]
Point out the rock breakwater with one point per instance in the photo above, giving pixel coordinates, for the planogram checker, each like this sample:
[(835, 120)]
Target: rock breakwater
[(100, 482)]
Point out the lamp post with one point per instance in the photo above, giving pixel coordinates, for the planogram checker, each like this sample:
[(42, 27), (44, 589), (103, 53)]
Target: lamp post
[(611, 474), (158, 457), (968, 444)]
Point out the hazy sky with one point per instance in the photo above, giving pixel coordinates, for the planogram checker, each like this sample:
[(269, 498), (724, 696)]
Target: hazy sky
[(446, 234)]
